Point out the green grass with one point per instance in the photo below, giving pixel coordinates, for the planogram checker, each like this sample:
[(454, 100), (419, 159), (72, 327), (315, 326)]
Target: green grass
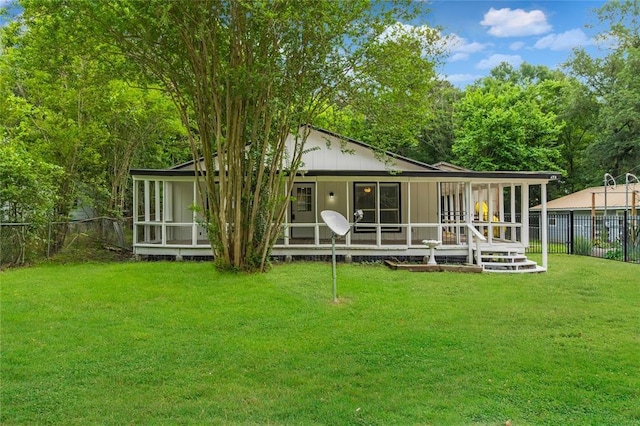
[(166, 343)]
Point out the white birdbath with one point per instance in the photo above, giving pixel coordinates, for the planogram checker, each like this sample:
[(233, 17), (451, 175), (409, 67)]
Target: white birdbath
[(431, 245)]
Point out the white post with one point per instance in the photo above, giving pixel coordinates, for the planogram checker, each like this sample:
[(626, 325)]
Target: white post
[(501, 209), (543, 224), (489, 213), (525, 214), (147, 211), (469, 219), (409, 231), (194, 226), (513, 212), (348, 237), (135, 211)]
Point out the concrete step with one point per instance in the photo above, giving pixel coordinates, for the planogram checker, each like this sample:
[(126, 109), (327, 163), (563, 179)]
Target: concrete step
[(535, 270)]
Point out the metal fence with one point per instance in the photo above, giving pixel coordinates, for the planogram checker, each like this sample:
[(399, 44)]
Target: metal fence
[(615, 237), (26, 242)]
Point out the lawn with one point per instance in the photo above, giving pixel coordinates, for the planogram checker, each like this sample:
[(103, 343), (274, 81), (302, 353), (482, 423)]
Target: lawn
[(181, 343)]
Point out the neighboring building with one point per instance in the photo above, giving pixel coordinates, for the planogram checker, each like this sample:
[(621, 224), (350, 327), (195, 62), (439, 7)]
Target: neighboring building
[(587, 208), (404, 202)]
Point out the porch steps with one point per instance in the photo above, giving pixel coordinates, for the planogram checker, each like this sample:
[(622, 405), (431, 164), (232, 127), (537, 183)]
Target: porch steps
[(508, 260)]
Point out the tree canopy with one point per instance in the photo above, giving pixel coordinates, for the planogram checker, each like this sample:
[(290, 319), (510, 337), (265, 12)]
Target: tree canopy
[(246, 74)]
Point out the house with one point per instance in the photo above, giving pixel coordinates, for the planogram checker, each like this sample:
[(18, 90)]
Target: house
[(404, 203), (595, 213)]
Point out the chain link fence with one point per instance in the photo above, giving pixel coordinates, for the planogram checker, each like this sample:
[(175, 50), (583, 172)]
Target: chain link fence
[(22, 243), (615, 237)]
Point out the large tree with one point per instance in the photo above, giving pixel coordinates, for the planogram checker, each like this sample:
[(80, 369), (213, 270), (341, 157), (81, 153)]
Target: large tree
[(64, 104), (245, 75), (504, 125), (614, 83)]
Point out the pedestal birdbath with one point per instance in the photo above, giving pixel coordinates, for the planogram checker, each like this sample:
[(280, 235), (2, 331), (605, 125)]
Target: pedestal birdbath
[(431, 245)]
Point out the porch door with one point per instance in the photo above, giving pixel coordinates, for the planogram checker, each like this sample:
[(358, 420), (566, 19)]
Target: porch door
[(303, 209)]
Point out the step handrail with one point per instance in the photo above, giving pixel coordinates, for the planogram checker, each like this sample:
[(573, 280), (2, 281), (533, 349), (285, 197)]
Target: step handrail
[(479, 237)]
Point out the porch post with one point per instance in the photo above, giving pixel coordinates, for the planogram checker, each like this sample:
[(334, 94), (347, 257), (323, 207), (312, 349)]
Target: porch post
[(501, 208), (135, 211), (469, 220), (316, 226), (489, 214), (163, 208), (157, 200), (194, 226), (514, 236), (147, 211), (524, 213), (348, 237), (408, 211), (287, 193), (543, 224)]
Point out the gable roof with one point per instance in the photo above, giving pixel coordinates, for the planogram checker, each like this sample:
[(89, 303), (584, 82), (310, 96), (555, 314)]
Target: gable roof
[(594, 196), (342, 153), (330, 154)]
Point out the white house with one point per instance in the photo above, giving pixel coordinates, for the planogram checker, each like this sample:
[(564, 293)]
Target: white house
[(479, 217)]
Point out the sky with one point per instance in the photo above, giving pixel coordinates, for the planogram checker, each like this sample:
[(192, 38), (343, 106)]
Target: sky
[(485, 33)]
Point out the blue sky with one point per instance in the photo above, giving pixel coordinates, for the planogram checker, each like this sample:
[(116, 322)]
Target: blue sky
[(485, 33)]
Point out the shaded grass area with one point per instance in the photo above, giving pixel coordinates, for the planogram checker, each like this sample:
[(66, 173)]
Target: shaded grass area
[(183, 343)]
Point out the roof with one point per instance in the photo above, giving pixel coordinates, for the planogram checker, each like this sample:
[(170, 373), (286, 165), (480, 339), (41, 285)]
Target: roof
[(594, 197), (329, 154)]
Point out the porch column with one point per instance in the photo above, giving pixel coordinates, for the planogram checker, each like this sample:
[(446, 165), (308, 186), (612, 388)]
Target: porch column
[(147, 211), (135, 211), (316, 226), (469, 220), (513, 213), (460, 202), (543, 223), (489, 213), (346, 191), (194, 226), (287, 195), (501, 209), (408, 211), (157, 200), (524, 213), (163, 208)]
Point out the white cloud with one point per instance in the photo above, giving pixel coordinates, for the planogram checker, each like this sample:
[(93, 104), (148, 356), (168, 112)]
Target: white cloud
[(5, 3), (495, 60), (462, 78), (564, 41), (513, 23), (517, 45), (460, 49)]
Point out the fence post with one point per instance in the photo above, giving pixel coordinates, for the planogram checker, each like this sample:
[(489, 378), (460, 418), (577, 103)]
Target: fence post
[(625, 236), (571, 234)]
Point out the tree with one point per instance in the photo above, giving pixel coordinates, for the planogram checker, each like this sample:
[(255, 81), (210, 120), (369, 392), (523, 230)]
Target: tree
[(27, 197), (65, 104), (244, 75), (613, 82), (504, 126)]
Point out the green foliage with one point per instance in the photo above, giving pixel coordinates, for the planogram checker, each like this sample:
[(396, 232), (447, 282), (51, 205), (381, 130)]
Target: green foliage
[(245, 75), (612, 79), (503, 126), (151, 343), (582, 246), (27, 186)]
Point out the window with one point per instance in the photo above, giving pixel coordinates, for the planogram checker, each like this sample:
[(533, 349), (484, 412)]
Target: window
[(386, 210), (303, 199)]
